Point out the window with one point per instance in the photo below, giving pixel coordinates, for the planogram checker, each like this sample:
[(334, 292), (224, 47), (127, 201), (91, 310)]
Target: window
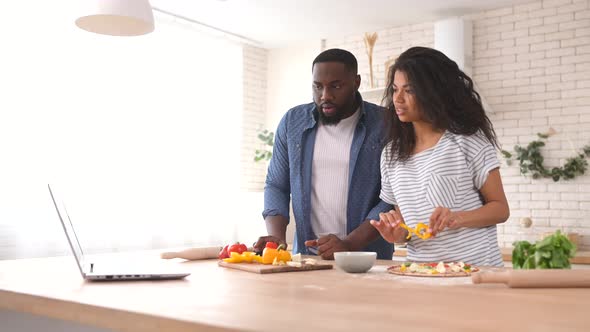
[(142, 134)]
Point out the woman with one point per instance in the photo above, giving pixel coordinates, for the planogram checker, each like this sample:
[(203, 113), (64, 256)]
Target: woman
[(440, 167)]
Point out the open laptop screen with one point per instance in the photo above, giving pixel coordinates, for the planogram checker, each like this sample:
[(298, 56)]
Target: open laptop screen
[(66, 222)]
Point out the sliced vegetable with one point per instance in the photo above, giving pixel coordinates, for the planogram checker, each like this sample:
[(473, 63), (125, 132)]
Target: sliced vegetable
[(257, 259), (421, 231), (407, 228), (269, 255), (234, 258), (237, 247), (284, 256), (245, 257), (248, 256)]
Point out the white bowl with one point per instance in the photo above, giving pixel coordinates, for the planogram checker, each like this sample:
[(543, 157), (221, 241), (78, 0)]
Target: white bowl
[(355, 261)]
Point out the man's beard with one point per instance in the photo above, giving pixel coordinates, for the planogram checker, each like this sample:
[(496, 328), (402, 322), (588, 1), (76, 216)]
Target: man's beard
[(330, 120), (340, 113)]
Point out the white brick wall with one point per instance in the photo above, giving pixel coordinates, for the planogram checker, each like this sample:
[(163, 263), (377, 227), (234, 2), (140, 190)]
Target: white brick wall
[(532, 64), (390, 43), (557, 71), (254, 116)]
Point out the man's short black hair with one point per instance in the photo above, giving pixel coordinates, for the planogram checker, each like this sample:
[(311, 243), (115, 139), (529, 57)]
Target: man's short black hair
[(338, 55)]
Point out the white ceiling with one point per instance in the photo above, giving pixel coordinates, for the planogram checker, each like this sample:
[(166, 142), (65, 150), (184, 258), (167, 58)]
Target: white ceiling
[(276, 23)]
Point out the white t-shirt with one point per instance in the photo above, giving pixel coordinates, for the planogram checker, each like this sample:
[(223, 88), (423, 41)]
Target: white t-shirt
[(450, 175), (329, 176)]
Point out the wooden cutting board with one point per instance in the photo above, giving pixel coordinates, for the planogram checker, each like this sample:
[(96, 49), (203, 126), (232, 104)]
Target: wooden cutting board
[(261, 268)]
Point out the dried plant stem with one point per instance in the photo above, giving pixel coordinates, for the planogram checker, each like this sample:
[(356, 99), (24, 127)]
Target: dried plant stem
[(370, 39)]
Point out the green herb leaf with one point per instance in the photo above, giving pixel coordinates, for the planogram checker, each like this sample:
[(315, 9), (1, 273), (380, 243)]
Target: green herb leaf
[(553, 252), (531, 161)]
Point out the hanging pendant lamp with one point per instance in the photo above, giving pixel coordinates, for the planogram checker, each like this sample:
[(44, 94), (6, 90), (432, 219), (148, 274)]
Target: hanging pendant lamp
[(116, 17)]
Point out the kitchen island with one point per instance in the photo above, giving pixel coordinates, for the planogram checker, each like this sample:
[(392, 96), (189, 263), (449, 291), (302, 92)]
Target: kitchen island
[(213, 298)]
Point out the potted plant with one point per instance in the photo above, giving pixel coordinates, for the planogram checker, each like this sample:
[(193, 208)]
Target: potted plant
[(267, 137)]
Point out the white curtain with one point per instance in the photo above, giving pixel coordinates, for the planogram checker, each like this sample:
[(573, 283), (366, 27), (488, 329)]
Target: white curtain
[(140, 135)]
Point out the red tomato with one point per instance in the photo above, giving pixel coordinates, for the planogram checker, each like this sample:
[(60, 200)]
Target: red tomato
[(237, 247), (243, 247), (223, 253), (271, 245)]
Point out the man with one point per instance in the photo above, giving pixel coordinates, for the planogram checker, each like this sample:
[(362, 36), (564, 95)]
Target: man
[(326, 157)]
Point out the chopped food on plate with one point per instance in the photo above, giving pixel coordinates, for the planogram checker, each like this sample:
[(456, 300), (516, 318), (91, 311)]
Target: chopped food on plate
[(440, 269)]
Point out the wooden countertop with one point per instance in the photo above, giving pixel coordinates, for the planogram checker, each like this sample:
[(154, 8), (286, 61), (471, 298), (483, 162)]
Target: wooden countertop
[(219, 299), (582, 257)]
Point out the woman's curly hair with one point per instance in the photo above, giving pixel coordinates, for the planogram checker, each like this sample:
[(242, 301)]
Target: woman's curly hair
[(444, 95)]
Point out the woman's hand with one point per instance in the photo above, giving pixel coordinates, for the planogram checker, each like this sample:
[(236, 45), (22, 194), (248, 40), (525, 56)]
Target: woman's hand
[(442, 218), (389, 226)]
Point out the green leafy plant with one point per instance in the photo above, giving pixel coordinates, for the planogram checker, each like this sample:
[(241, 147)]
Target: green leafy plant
[(268, 138), (531, 161), (553, 252)]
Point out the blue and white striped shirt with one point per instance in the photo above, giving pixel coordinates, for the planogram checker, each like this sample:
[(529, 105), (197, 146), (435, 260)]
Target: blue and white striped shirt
[(450, 175)]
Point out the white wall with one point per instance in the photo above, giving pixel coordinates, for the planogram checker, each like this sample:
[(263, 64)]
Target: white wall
[(275, 80), (533, 64), (390, 43), (289, 79), (288, 85), (254, 116)]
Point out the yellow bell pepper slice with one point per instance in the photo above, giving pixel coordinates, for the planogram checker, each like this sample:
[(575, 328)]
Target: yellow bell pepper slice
[(234, 258), (245, 257), (269, 255), (284, 256), (420, 231), (257, 259), (248, 256), (409, 229)]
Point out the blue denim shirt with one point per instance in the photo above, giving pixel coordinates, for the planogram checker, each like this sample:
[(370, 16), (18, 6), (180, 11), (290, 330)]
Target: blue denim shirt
[(289, 173)]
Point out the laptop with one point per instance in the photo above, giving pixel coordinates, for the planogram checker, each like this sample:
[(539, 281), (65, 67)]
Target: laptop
[(103, 270)]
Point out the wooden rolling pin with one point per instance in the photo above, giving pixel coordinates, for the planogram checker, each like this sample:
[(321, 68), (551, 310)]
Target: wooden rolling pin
[(535, 278), (193, 253)]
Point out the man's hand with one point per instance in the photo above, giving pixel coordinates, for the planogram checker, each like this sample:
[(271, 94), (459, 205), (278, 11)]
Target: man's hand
[(261, 243), (389, 226), (327, 245)]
